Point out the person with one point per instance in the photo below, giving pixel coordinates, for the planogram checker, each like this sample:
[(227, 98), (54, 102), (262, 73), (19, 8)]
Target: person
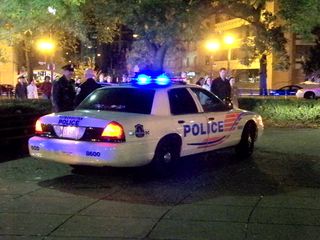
[(220, 86), (234, 92), (200, 81), (101, 77), (207, 83), (32, 90), (46, 88), (87, 87), (21, 88), (63, 91), (107, 79)]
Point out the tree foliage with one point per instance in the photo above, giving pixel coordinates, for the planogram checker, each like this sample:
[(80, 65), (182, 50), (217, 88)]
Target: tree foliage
[(302, 16), (159, 24)]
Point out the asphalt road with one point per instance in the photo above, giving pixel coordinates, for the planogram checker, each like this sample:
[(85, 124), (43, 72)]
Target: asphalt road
[(274, 195)]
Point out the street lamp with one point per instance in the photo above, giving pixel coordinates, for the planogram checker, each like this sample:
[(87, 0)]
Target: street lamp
[(212, 46), (47, 46), (229, 41)]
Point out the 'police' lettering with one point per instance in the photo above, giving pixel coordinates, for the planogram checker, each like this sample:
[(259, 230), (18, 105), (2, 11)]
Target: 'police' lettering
[(201, 129), (65, 122), (69, 121), (186, 130)]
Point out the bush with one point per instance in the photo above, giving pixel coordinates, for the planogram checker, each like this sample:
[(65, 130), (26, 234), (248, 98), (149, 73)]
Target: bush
[(14, 106), (290, 112), (18, 117)]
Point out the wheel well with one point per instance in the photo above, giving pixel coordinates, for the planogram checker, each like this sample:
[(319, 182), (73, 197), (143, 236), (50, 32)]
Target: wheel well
[(308, 93), (253, 123), (173, 138)]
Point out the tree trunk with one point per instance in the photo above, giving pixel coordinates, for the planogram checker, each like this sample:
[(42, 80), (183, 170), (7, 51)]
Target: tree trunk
[(27, 50), (263, 75), (160, 54)]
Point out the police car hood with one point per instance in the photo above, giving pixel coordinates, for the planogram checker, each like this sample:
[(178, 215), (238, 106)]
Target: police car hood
[(90, 118)]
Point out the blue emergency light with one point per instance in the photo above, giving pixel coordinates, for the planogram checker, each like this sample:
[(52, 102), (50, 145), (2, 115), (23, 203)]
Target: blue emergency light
[(143, 79), (160, 80)]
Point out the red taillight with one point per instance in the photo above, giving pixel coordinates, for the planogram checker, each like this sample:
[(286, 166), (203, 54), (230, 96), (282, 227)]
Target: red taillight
[(38, 127), (113, 131)]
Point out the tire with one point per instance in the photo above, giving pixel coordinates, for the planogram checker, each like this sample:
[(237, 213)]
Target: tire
[(309, 95), (246, 146), (166, 157)]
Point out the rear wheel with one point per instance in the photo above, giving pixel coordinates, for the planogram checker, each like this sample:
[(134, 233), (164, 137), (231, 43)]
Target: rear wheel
[(166, 157), (245, 148), (309, 95)]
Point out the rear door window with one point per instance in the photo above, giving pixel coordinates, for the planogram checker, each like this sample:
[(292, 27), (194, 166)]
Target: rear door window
[(181, 102)]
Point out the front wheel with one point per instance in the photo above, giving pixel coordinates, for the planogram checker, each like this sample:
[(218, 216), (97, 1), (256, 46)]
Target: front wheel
[(166, 158), (245, 148), (309, 95)]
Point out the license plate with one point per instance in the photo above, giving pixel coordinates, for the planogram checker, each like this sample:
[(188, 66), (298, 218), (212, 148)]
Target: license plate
[(69, 132)]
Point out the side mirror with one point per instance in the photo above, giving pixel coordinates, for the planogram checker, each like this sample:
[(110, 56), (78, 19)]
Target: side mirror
[(228, 103)]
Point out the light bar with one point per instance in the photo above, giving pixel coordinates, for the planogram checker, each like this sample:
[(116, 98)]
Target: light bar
[(144, 79)]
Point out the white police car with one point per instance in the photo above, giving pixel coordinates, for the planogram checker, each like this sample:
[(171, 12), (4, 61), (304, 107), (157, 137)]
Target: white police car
[(148, 121)]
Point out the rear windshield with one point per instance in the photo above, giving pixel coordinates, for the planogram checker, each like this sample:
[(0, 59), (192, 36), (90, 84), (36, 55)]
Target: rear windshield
[(133, 100)]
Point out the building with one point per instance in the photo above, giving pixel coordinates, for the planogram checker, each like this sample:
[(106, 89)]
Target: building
[(200, 59), (8, 69)]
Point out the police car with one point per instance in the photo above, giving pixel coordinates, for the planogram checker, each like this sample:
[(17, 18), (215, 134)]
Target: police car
[(150, 120)]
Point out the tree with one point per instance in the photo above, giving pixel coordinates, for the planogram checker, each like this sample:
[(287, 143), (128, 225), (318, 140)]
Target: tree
[(158, 24), (302, 16), (23, 21)]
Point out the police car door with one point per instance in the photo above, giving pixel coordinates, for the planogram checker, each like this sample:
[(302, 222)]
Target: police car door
[(215, 111), (187, 119)]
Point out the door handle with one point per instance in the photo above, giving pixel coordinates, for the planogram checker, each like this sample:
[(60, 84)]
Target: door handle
[(181, 121), (211, 118)]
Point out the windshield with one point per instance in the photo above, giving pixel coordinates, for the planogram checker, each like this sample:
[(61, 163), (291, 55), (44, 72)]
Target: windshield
[(133, 100)]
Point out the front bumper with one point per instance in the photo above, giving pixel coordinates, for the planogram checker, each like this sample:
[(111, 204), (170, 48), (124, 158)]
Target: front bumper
[(127, 154)]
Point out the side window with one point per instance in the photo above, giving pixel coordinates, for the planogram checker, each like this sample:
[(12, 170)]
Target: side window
[(181, 102), (208, 101)]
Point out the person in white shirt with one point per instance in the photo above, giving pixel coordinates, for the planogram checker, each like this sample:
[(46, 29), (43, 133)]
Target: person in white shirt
[(32, 91), (207, 83)]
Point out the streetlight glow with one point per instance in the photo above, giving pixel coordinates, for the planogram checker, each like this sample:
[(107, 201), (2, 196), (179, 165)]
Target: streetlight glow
[(229, 39), (46, 45), (212, 46)]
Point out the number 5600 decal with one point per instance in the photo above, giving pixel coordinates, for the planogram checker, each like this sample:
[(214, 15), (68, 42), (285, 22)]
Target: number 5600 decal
[(93, 154)]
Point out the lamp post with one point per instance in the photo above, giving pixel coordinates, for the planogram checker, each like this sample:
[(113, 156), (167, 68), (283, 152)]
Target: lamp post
[(229, 40), (212, 46), (47, 46)]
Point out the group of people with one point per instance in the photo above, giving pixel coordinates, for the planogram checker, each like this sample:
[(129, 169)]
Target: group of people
[(64, 94), (222, 86), (25, 90)]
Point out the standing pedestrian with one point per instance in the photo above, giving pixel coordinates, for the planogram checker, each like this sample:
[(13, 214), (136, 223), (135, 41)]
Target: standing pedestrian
[(32, 90), (234, 92), (207, 83), (221, 87), (46, 88), (87, 87), (200, 82), (63, 91), (21, 88)]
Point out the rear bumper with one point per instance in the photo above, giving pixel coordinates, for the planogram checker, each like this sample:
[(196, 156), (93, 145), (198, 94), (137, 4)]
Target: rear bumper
[(91, 153)]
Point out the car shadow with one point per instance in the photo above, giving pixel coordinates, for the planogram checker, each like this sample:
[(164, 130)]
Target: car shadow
[(197, 178)]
